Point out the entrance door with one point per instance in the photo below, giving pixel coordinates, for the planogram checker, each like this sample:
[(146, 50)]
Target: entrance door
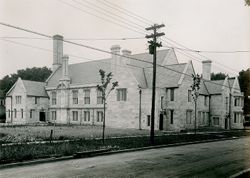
[(42, 116), (161, 122), (226, 120)]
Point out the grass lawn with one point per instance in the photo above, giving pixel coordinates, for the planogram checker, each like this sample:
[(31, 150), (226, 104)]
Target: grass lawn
[(37, 133)]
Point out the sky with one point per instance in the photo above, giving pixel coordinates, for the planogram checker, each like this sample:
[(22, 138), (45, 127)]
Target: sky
[(214, 25)]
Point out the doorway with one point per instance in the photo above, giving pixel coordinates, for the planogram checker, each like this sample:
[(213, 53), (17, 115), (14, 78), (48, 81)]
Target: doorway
[(161, 122), (42, 116), (226, 123)]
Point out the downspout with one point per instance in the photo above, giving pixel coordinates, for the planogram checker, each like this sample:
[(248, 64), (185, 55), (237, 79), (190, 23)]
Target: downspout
[(11, 112), (140, 109), (230, 109), (209, 111)]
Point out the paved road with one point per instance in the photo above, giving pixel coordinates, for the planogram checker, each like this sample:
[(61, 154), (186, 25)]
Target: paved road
[(216, 159)]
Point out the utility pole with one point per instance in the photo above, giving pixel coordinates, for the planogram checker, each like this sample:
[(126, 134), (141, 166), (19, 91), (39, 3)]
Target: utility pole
[(152, 50)]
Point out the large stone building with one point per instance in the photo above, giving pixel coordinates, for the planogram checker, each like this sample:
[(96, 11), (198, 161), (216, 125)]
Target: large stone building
[(74, 98)]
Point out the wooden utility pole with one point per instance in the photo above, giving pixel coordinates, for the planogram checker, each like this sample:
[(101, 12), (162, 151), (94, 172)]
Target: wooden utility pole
[(152, 50)]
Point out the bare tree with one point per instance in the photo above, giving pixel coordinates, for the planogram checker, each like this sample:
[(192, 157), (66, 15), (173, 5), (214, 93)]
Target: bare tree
[(105, 79), (195, 94)]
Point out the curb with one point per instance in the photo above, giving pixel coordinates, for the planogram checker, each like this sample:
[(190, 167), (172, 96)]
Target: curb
[(108, 152), (239, 173)]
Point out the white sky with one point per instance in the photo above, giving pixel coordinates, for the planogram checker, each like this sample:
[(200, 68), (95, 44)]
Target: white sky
[(217, 25)]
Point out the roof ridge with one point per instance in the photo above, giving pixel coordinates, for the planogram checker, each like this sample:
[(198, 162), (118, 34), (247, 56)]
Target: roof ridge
[(33, 81), (183, 63)]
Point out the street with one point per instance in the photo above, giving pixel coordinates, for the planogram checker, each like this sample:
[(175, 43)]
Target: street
[(215, 159)]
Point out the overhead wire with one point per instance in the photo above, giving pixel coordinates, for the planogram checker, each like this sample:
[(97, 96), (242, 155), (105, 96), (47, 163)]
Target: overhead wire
[(100, 17), (104, 51), (178, 43)]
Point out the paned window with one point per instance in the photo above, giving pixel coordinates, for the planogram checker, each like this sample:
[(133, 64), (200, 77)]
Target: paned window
[(75, 96), (99, 97), (121, 94), (87, 96), (86, 115), (75, 115)]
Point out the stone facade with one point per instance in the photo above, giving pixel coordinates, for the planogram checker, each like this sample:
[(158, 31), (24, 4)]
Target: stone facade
[(72, 97), (23, 108)]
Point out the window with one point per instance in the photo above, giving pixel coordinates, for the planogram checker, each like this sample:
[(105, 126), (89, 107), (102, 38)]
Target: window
[(148, 120), (75, 115), (86, 116), (237, 101), (75, 96), (122, 94), (204, 118), (31, 113), (53, 98), (171, 116), (21, 113), (172, 94), (99, 116), (36, 100), (99, 97), (18, 99), (53, 113), (14, 113), (216, 120), (199, 116), (9, 113), (189, 95), (189, 117), (87, 96), (162, 102)]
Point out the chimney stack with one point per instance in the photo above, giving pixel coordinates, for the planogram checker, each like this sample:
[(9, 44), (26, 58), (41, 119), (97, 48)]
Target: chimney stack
[(115, 59), (125, 53), (57, 51), (65, 67), (206, 69)]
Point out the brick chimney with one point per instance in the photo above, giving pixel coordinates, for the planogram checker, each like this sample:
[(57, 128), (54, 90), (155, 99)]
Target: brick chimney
[(126, 52), (57, 51), (206, 69)]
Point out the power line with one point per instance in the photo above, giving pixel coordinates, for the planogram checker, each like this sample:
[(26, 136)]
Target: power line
[(105, 19), (109, 12), (178, 44), (83, 39), (127, 12), (102, 50), (187, 49), (200, 54), (204, 51)]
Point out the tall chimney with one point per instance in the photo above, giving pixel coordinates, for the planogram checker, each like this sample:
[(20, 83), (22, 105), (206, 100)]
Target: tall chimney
[(115, 49), (206, 69), (126, 53), (57, 51), (65, 67)]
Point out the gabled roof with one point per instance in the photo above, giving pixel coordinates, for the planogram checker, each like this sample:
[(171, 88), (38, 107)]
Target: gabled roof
[(34, 88), (88, 72), (203, 88), (166, 77), (214, 86), (148, 58), (82, 73), (231, 82)]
